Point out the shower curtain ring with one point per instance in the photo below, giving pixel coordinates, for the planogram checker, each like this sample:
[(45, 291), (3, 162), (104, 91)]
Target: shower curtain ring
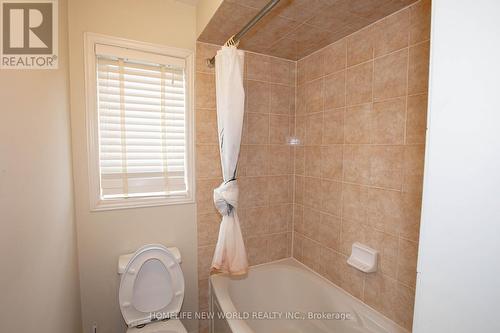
[(232, 42)]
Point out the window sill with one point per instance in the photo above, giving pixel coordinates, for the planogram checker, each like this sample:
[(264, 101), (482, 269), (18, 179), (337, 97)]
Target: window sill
[(115, 204)]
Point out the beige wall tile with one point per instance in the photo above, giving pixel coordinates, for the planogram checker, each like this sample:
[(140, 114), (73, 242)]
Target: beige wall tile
[(360, 46), (280, 160), (386, 166), (253, 192), (351, 231), (413, 168), (388, 245), (384, 210), (416, 119), (358, 124), (333, 126), (392, 299), (330, 264), (255, 221), (418, 71), (203, 294), (354, 203), (315, 66), (208, 161), (331, 197), (298, 218), (208, 228), (391, 34), (299, 160), (311, 223), (357, 164), (256, 160), (301, 71), (258, 67), (410, 223), (407, 262), (331, 162), (312, 192), (205, 194), (279, 129), (257, 250), (206, 126), (299, 189), (359, 84), (278, 246), (258, 128), (390, 75), (257, 96), (280, 218), (329, 231), (242, 161), (334, 96), (313, 161), (314, 95), (314, 129), (301, 100), (244, 132), (282, 71), (351, 279), (297, 246), (388, 123), (281, 99), (335, 57), (205, 254), (279, 188), (311, 253), (205, 91), (420, 21)]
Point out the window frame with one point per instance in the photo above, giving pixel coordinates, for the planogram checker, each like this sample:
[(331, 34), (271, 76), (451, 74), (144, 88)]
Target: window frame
[(92, 123)]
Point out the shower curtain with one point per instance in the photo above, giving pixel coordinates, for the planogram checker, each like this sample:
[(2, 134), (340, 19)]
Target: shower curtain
[(230, 254)]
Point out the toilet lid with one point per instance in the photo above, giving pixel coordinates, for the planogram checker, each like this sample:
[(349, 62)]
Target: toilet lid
[(152, 283)]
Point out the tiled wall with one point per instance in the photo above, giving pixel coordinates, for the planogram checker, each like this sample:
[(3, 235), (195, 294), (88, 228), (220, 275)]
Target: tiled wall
[(361, 116), (357, 175), (265, 172)]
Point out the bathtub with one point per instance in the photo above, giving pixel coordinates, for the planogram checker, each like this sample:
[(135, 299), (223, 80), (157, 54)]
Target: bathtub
[(286, 296)]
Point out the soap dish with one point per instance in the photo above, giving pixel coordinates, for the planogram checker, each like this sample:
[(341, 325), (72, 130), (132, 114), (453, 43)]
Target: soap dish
[(363, 258)]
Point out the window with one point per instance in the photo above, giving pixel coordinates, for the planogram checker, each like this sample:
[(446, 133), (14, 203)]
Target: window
[(138, 110)]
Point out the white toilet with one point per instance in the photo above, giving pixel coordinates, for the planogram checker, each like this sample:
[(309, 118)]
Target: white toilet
[(151, 283)]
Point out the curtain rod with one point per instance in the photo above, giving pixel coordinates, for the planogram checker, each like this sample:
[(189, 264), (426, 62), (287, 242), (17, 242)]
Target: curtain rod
[(235, 39)]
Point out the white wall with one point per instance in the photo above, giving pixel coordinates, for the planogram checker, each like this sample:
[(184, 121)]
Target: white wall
[(39, 275), (205, 10), (103, 236), (458, 287)]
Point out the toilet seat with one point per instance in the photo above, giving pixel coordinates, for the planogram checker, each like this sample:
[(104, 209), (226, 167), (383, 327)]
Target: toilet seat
[(152, 283), (168, 326)]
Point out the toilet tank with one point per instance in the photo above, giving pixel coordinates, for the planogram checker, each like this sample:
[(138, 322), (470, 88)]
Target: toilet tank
[(124, 259)]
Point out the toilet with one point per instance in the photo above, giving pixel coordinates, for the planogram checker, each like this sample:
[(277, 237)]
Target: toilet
[(151, 290)]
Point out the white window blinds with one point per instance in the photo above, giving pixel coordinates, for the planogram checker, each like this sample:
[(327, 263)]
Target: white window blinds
[(141, 101)]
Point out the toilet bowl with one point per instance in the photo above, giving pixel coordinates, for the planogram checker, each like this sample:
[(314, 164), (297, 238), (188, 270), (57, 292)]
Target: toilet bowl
[(151, 286)]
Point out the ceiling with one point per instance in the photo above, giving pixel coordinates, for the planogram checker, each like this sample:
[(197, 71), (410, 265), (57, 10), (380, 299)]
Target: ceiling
[(295, 28)]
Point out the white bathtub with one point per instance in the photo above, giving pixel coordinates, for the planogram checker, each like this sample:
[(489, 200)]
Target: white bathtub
[(274, 298)]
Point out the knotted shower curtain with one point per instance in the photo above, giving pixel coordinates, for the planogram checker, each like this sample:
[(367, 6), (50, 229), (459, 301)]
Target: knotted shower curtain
[(230, 254)]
